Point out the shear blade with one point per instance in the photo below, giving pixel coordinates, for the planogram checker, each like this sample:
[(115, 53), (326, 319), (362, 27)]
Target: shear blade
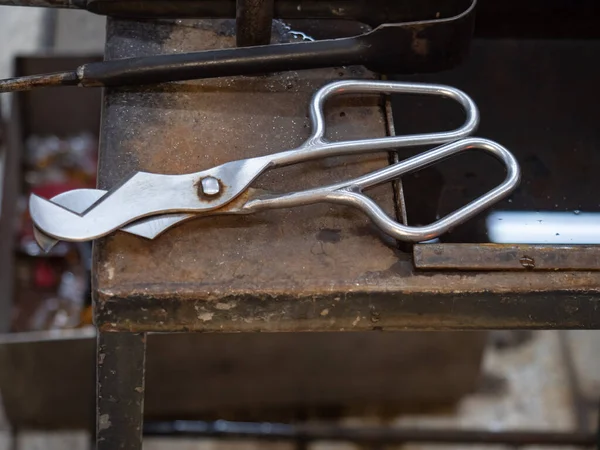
[(80, 200)]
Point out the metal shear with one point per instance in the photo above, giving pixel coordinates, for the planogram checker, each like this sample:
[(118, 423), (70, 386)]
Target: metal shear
[(147, 204)]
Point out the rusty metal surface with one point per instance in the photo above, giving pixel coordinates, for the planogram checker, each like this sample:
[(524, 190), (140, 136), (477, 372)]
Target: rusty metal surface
[(36, 81), (313, 268), (506, 257), (186, 127), (568, 302)]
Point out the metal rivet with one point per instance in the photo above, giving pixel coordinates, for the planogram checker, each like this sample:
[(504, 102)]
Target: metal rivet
[(210, 186)]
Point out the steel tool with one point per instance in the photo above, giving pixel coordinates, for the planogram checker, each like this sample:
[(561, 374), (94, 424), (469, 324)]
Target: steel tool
[(428, 45), (147, 204)]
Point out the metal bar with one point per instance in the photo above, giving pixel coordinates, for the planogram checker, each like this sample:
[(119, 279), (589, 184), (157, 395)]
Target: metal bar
[(374, 12), (425, 46), (253, 22), (29, 82), (403, 306), (447, 42), (120, 390), (374, 435), (505, 257), (397, 184), (69, 4), (12, 149)]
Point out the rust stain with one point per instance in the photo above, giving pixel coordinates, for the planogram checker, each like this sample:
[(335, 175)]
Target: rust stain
[(192, 126), (33, 81)]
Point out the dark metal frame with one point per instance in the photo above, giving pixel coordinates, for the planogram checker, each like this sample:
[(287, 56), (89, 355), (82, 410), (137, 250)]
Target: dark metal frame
[(120, 399), (10, 137)]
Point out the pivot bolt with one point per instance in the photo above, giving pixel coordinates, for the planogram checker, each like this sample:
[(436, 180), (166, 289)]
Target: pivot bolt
[(210, 186)]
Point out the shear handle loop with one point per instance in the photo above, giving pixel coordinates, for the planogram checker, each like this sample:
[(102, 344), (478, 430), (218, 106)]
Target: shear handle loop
[(355, 197), (317, 146), (350, 192)]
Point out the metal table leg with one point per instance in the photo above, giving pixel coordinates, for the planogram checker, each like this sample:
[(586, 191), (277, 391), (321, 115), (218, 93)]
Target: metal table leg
[(120, 367)]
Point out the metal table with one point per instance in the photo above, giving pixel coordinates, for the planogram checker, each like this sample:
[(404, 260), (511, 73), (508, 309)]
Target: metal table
[(318, 268)]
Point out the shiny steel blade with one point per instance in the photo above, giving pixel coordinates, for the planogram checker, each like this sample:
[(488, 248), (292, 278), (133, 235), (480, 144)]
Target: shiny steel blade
[(144, 195), (79, 200)]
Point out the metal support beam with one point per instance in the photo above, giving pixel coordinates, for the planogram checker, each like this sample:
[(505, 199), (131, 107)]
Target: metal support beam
[(253, 22), (120, 390)]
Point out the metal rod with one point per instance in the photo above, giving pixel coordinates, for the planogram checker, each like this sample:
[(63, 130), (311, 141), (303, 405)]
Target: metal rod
[(36, 81), (305, 432), (68, 4), (205, 64), (392, 48)]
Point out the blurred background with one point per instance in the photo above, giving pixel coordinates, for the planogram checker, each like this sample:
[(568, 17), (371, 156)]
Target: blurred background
[(495, 381)]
